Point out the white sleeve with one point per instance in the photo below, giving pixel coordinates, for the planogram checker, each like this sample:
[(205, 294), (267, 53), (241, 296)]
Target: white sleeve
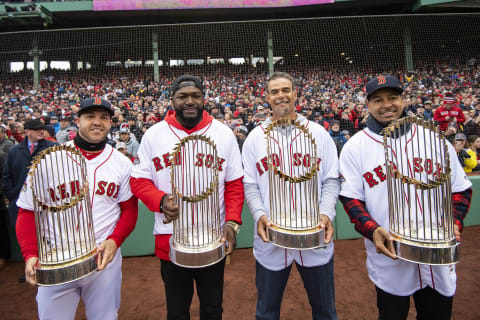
[(329, 162), (460, 181), (143, 166), (249, 162), (234, 168), (351, 174), (25, 198), (125, 191)]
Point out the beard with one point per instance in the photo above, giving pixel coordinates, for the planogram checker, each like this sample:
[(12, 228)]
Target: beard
[(189, 123)]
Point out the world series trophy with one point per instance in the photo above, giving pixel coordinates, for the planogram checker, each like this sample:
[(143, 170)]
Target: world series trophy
[(419, 192), (63, 216), (293, 182), (197, 232)]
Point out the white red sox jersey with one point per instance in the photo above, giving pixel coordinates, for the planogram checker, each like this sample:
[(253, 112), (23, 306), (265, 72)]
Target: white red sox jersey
[(255, 162), (155, 160), (109, 184), (362, 165)]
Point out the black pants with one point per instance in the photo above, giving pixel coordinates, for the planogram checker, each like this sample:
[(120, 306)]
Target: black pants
[(179, 290), (429, 305), (4, 239)]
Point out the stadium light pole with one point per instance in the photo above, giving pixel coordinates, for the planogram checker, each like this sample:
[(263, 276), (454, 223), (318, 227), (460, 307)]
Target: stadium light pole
[(270, 51), (407, 40), (156, 75), (35, 53)]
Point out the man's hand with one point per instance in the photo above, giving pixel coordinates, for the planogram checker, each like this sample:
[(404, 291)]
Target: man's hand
[(262, 228), (230, 237), (457, 232), (384, 242), (30, 274), (326, 223), (106, 252), (169, 209)]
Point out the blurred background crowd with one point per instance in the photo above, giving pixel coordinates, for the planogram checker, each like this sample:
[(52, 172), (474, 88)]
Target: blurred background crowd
[(447, 94)]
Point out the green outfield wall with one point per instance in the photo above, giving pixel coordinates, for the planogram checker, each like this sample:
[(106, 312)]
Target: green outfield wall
[(141, 241)]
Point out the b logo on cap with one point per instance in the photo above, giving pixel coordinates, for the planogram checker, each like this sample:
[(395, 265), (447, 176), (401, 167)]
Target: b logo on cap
[(381, 80), (97, 101)]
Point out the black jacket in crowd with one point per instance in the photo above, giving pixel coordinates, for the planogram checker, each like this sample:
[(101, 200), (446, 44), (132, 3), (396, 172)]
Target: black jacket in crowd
[(15, 171)]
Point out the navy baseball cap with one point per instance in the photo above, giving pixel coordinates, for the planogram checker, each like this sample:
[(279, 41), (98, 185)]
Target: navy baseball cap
[(95, 102), (381, 82), (186, 81)]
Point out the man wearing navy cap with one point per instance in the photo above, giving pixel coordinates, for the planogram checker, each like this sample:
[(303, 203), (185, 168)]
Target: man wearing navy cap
[(114, 212), (364, 195), (18, 160)]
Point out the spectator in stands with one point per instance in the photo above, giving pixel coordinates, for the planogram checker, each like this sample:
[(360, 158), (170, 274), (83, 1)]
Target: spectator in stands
[(346, 134), (428, 113), (241, 133), (474, 145), (451, 131), (129, 139), (62, 134), (50, 133), (5, 145), (448, 112), (336, 135), (17, 163), (122, 147), (54, 122), (467, 157), (471, 126)]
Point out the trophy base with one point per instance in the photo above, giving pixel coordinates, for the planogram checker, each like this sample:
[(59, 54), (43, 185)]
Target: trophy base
[(433, 254), (196, 257), (51, 275), (301, 240)]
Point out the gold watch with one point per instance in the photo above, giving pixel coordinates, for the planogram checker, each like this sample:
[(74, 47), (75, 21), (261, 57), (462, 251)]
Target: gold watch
[(235, 226)]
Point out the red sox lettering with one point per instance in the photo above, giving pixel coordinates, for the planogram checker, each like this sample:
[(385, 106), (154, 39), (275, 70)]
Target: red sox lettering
[(378, 174), (202, 159), (67, 190), (298, 160)]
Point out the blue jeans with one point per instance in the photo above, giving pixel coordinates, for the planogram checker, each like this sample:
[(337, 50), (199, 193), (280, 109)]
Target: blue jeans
[(318, 281)]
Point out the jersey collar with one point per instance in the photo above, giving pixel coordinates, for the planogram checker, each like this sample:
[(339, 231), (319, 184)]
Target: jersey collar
[(172, 120)]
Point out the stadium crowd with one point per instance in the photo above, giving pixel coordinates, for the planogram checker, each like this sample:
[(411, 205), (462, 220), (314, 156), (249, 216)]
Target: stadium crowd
[(447, 94)]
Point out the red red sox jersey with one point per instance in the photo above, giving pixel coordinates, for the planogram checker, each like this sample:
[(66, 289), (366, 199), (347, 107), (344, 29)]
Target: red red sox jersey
[(254, 156), (155, 160), (362, 165), (109, 184)]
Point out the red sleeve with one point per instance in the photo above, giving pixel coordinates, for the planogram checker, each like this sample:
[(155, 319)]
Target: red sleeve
[(461, 204), (145, 190), (460, 117), (127, 221), (437, 116), (234, 198), (27, 233)]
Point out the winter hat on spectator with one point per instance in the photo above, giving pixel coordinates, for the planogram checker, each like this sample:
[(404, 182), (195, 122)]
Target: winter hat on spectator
[(186, 81), (242, 129), (124, 128), (95, 102), (34, 124), (381, 82), (335, 122), (51, 130), (449, 100), (345, 132)]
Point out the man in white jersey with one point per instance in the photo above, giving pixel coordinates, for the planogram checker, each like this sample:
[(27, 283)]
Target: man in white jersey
[(150, 182), (114, 211), (274, 263), (364, 196)]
